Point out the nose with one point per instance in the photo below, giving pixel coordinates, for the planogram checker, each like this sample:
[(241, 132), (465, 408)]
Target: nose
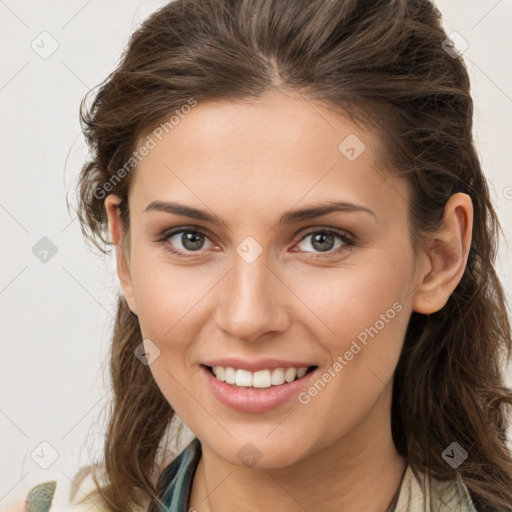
[(252, 301)]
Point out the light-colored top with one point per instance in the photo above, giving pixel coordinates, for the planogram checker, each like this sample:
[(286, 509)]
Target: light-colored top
[(175, 484)]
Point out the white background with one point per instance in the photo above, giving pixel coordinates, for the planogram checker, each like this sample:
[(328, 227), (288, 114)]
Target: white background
[(56, 316)]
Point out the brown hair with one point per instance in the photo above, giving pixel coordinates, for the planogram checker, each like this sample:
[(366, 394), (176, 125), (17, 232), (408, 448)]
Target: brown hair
[(372, 60)]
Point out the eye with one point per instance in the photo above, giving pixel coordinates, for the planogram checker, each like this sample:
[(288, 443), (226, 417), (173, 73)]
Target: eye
[(324, 240), (183, 240)]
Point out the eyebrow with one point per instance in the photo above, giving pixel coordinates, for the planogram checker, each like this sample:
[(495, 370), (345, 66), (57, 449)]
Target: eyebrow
[(288, 217)]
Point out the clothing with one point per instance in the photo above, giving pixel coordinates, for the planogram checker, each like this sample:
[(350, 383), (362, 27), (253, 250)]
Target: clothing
[(175, 485)]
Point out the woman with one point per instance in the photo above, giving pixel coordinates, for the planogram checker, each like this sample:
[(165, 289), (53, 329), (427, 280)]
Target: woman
[(305, 245)]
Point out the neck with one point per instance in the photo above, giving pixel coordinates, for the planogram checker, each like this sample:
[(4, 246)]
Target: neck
[(359, 472)]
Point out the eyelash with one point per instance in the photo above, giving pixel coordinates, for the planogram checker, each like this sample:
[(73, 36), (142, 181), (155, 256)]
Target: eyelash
[(348, 242)]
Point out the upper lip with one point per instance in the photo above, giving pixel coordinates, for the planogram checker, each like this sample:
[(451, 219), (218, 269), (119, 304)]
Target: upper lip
[(256, 365)]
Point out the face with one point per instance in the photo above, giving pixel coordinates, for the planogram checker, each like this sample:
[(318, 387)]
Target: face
[(250, 285)]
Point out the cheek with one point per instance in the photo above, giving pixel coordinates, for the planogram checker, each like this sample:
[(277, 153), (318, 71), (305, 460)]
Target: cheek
[(364, 351), (172, 306), (348, 301), (359, 316), (168, 296)]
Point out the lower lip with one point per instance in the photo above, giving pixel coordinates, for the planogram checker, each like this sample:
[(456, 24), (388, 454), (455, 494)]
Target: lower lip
[(245, 399)]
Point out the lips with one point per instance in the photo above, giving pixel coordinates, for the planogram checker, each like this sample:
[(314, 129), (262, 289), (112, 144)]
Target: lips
[(256, 399)]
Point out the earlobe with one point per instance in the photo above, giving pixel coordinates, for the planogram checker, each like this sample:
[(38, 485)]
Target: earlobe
[(447, 255), (116, 234)]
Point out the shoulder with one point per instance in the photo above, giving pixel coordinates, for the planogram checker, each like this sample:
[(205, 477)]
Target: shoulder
[(60, 494), (64, 493), (433, 494)]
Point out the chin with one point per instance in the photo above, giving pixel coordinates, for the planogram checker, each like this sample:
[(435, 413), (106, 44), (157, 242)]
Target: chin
[(261, 452)]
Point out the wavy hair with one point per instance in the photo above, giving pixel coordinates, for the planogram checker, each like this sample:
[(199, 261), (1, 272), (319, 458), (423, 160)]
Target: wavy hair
[(370, 60)]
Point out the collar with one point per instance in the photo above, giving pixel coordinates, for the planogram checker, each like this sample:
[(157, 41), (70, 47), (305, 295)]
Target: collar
[(175, 484)]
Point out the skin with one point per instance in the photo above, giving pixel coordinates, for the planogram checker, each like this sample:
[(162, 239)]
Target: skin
[(248, 163)]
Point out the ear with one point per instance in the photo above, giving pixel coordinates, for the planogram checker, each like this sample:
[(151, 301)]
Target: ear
[(446, 256), (112, 202)]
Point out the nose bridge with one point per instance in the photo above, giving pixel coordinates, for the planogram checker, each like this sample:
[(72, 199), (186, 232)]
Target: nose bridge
[(250, 303)]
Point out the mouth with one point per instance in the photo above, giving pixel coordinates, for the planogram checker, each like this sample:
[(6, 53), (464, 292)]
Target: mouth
[(256, 392), (262, 379)]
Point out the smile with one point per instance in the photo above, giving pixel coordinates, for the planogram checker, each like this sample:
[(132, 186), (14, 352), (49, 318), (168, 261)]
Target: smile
[(259, 391)]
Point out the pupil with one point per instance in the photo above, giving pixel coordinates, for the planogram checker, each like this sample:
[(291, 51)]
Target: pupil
[(322, 238), (191, 240)]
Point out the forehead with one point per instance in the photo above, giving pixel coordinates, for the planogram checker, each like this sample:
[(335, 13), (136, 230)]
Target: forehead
[(279, 149)]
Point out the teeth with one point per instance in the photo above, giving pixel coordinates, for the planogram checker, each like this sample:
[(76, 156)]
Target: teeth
[(220, 372), (290, 374), (230, 375), (301, 372), (277, 377), (243, 378), (259, 379), (262, 379)]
